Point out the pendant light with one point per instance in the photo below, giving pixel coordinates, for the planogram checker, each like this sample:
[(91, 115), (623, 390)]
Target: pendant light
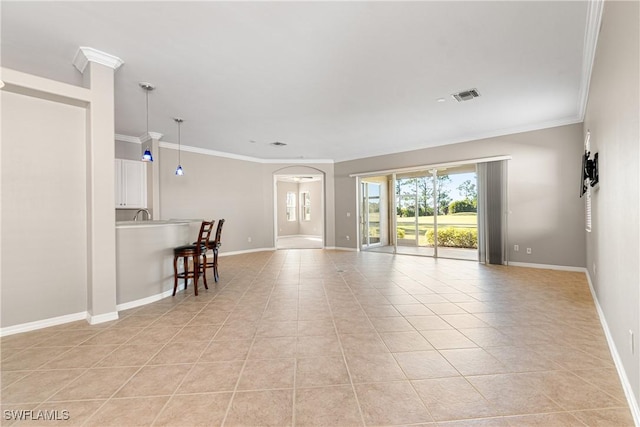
[(147, 157), (179, 170)]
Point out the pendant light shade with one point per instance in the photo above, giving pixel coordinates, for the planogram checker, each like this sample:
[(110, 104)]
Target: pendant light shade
[(179, 171), (147, 156)]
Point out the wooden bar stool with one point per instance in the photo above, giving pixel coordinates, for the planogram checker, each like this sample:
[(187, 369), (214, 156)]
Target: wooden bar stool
[(214, 245), (195, 251)]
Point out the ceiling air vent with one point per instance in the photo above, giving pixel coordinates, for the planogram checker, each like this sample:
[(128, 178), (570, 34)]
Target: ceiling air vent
[(466, 95)]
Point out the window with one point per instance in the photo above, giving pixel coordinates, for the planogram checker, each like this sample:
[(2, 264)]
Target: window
[(305, 205), (291, 206)]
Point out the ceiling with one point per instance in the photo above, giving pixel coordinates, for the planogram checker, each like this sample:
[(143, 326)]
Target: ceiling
[(332, 80)]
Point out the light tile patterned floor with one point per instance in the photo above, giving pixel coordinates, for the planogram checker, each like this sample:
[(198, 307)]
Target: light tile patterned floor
[(318, 337)]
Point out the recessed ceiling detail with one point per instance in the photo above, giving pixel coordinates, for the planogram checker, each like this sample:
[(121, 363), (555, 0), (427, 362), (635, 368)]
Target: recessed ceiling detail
[(466, 95)]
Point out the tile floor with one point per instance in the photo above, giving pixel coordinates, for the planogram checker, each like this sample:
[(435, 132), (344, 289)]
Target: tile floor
[(319, 337)]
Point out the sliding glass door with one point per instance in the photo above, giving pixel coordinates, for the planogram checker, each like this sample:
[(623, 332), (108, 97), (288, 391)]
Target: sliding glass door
[(436, 213)]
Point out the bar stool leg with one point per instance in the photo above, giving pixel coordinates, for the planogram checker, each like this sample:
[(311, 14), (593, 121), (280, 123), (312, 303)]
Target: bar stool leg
[(204, 270), (196, 273), (186, 271), (175, 275)]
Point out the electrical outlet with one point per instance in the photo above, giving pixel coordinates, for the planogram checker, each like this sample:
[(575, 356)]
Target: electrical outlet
[(348, 215), (516, 248), (528, 251), (249, 239), (348, 238)]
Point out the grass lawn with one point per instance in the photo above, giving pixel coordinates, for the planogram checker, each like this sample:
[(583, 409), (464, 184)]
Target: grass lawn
[(462, 220)]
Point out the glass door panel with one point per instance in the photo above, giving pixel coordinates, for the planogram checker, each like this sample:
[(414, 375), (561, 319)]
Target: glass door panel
[(457, 213), (373, 207), (370, 214), (414, 214), (436, 213)]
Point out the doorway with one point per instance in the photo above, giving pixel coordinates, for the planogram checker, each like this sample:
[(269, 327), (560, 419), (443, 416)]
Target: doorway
[(299, 211)]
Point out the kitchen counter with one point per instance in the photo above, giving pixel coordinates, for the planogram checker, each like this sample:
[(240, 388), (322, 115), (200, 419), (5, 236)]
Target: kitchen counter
[(154, 223), (144, 258)]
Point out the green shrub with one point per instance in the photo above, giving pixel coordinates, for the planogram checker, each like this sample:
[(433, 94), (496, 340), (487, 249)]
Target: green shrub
[(401, 233), (454, 237), (462, 206)]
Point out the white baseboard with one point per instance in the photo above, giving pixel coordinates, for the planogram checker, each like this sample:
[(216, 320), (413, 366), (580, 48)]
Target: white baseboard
[(101, 318), (341, 248), (548, 266), (624, 379), (247, 251), (148, 300), (44, 323)]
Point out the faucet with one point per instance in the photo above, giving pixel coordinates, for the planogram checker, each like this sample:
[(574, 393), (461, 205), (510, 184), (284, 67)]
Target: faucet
[(135, 218)]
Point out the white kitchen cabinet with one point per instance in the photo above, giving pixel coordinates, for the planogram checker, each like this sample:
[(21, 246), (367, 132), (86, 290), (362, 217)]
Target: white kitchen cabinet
[(131, 184)]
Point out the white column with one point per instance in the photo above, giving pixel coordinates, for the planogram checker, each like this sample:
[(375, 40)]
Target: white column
[(153, 175), (98, 69)]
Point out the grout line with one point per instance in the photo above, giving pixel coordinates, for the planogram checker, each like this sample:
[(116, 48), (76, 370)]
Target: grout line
[(545, 291), (246, 359)]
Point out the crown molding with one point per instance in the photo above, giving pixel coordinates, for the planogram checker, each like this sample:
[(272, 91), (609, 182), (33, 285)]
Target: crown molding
[(207, 152), (592, 31), (473, 137), (155, 135), (88, 54), (127, 138), (149, 136)]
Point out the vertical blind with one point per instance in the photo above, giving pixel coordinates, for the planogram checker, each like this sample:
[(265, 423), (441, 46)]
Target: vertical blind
[(492, 212)]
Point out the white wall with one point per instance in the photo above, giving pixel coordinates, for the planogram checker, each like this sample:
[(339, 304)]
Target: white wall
[(44, 216), (613, 246), (545, 212)]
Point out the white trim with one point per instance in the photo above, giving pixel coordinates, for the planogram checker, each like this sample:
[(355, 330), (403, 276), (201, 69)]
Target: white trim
[(248, 251), (148, 300), (44, 323), (592, 30), (149, 136), (300, 235), (84, 55), (431, 166), (342, 248), (23, 83), (470, 138), (153, 135), (127, 138), (624, 379), (102, 318), (547, 266), (206, 151), (152, 298)]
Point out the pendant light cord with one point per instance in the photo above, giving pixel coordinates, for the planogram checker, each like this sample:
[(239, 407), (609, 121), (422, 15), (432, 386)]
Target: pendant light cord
[(179, 123), (147, 113)]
